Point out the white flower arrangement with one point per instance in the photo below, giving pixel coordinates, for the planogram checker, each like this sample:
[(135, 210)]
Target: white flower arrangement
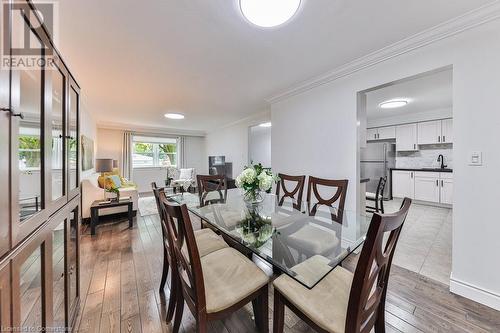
[(254, 179)]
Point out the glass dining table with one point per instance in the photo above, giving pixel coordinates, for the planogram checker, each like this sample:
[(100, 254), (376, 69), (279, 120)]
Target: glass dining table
[(304, 247)]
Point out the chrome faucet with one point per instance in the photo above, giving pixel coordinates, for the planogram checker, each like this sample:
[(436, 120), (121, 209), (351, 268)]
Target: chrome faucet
[(441, 159)]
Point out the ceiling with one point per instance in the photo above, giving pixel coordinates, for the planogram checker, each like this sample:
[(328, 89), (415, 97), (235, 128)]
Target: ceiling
[(137, 60), (426, 93)]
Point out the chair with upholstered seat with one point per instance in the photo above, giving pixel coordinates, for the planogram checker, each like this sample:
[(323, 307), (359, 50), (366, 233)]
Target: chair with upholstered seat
[(295, 194), (211, 189), (378, 197), (338, 198), (342, 301), (215, 285), (206, 239)]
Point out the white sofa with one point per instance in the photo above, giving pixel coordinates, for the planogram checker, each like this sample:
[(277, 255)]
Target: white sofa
[(91, 192)]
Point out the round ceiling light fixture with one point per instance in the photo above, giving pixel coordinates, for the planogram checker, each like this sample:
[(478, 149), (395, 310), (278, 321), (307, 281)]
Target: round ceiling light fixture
[(268, 124), (269, 13), (393, 103), (175, 116)]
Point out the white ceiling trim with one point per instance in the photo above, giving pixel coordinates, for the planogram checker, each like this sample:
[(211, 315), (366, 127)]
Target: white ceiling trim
[(149, 130), (444, 30)]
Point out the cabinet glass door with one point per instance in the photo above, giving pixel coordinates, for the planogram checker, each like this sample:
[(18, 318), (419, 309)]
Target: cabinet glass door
[(73, 239), (73, 140), (27, 99), (58, 274), (30, 291), (58, 133)]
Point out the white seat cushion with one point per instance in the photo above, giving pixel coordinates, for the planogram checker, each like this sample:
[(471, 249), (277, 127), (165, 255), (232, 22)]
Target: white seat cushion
[(326, 303), (314, 239), (229, 277), (208, 241)]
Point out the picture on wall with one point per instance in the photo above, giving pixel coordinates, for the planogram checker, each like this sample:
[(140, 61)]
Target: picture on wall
[(87, 153)]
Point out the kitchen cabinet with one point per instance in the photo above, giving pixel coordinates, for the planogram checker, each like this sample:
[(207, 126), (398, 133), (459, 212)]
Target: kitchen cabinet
[(427, 186), (447, 130), (435, 132), (406, 137), (381, 133), (429, 132), (446, 182), (403, 184)]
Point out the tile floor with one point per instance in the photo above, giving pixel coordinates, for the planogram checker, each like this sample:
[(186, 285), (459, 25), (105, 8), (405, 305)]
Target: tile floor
[(425, 243)]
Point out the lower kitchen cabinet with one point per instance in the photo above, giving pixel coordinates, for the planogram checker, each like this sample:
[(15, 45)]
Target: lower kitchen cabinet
[(427, 186), (403, 184), (446, 183)]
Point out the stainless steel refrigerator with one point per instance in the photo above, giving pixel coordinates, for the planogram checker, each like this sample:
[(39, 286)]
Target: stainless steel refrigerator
[(376, 161)]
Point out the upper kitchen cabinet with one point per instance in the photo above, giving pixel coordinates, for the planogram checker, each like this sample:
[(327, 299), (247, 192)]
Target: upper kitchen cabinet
[(435, 132), (406, 137), (447, 130), (381, 133), (429, 132)]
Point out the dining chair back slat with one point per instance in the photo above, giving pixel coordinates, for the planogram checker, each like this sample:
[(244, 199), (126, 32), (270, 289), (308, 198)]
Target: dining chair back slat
[(295, 194), (211, 183), (338, 197), (366, 307)]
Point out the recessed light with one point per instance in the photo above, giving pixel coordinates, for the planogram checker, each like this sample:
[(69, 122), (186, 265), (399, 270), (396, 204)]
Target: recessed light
[(392, 104), (269, 13), (268, 124), (174, 116)]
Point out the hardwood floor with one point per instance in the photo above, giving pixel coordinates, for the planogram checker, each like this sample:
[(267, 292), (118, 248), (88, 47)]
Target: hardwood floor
[(121, 271)]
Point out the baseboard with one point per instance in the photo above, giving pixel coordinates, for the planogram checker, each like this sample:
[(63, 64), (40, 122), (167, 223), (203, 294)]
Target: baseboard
[(475, 293)]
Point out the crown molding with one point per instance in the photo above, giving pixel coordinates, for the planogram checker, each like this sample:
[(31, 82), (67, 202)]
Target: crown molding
[(469, 20), (149, 130)]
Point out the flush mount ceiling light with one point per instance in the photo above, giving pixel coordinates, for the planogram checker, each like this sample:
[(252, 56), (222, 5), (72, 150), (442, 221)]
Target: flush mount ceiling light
[(394, 103), (269, 13), (268, 124), (174, 116)]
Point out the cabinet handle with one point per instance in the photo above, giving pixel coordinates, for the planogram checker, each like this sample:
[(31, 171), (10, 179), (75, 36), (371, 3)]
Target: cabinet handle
[(439, 138), (69, 137), (12, 113), (444, 138), (414, 146), (442, 183), (411, 174), (437, 183)]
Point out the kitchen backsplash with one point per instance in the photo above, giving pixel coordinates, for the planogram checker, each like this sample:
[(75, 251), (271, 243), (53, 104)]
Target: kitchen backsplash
[(426, 157)]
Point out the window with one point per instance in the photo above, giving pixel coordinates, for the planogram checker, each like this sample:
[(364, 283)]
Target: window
[(149, 152)]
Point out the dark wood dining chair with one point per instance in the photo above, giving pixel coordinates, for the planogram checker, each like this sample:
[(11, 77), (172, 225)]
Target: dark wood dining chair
[(295, 194), (207, 240), (377, 197), (337, 198), (343, 301), (210, 184), (216, 285)]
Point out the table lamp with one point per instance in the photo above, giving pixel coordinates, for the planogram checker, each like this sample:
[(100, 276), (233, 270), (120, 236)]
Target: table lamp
[(103, 165)]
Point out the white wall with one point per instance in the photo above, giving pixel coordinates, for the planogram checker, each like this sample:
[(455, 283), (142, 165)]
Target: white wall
[(232, 141), (195, 154), (110, 143), (259, 145), (315, 133)]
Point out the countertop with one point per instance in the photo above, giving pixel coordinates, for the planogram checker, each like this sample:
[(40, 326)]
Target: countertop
[(424, 169)]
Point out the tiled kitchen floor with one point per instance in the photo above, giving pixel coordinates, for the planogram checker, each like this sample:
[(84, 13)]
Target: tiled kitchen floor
[(425, 243)]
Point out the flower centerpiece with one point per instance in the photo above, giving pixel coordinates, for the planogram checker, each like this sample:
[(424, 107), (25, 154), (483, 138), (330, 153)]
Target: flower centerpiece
[(254, 179)]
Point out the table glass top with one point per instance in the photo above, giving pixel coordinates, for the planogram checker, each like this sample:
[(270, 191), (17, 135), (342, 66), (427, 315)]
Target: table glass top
[(304, 247)]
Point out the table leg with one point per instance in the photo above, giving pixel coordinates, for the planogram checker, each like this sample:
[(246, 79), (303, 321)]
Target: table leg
[(93, 220), (130, 217)]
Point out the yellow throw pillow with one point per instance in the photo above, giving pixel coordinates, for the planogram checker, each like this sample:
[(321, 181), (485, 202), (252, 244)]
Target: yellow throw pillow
[(101, 180)]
